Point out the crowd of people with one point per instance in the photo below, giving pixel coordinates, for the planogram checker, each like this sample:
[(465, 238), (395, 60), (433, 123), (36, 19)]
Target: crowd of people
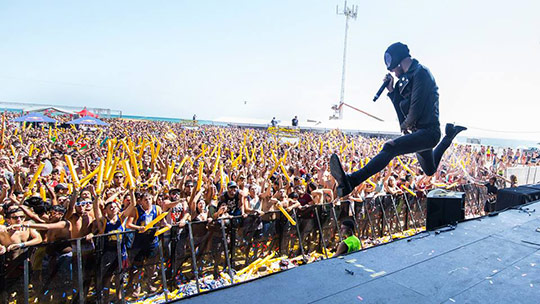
[(64, 186)]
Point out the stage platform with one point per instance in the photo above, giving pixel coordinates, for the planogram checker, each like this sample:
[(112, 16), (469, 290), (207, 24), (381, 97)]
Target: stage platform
[(488, 260)]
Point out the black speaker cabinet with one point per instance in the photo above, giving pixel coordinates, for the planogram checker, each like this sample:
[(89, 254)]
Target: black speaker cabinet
[(444, 207), (510, 197)]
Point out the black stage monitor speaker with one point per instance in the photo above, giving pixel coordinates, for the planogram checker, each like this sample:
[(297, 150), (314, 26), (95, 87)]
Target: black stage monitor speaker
[(510, 197), (444, 208)]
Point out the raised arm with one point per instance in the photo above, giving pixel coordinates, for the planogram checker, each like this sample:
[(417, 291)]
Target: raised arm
[(132, 205), (130, 221), (96, 205), (73, 199), (47, 226)]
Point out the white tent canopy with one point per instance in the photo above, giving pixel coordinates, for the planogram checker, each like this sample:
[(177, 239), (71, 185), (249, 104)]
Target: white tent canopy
[(43, 109)]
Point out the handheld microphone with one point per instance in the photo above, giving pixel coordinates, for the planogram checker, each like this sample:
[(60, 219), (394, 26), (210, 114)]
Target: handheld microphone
[(381, 89)]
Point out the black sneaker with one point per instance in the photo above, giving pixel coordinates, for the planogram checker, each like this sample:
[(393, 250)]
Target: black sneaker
[(453, 130), (449, 129), (458, 129), (344, 187)]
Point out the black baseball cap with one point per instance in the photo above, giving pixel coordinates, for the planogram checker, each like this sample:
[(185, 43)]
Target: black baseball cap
[(394, 54), (59, 187)]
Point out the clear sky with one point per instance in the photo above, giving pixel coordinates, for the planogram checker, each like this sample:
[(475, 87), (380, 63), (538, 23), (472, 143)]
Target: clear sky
[(272, 58)]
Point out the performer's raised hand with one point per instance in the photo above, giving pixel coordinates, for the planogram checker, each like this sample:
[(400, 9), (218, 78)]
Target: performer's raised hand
[(390, 86)]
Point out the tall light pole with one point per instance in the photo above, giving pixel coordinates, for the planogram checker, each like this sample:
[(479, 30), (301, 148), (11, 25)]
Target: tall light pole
[(348, 12)]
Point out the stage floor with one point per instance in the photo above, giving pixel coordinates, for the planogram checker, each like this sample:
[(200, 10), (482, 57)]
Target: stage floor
[(489, 260)]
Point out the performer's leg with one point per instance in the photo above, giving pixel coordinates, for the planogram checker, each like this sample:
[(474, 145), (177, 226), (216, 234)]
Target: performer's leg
[(429, 159), (422, 139), (425, 159), (451, 132)]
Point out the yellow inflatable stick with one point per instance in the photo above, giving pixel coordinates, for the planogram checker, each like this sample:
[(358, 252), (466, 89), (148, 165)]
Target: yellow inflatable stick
[(89, 176), (162, 230), (72, 171), (170, 171), (409, 190), (274, 169), (134, 164), (216, 163), (101, 172), (405, 167), (181, 164), (155, 221), (35, 177), (245, 269), (285, 172), (63, 176), (287, 215), (128, 176), (199, 178)]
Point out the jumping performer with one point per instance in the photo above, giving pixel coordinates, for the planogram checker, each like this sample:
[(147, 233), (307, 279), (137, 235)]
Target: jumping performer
[(416, 100)]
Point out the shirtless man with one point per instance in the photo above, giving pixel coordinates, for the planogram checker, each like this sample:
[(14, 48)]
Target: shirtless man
[(13, 241), (267, 206), (81, 220), (58, 251), (280, 198), (76, 222)]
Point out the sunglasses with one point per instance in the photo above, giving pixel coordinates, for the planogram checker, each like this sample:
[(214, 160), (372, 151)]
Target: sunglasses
[(20, 217), (83, 203), (119, 176)]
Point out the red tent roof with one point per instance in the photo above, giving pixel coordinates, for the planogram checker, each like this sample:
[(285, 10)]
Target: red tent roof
[(85, 112)]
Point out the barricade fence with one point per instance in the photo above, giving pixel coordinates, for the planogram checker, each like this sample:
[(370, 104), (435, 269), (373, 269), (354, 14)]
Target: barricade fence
[(128, 266), (525, 174)]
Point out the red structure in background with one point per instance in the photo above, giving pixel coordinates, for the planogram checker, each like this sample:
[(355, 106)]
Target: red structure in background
[(85, 112)]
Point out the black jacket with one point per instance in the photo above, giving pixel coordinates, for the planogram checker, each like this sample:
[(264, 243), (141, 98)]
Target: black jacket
[(416, 98)]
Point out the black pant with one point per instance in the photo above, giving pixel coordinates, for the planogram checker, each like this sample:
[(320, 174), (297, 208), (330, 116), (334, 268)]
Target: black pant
[(420, 141)]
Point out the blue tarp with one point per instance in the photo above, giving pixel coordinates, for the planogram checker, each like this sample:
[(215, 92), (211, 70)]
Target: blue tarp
[(88, 120), (34, 117)]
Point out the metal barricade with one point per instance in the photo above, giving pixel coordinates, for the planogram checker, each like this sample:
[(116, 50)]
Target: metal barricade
[(15, 270), (363, 219), (328, 227), (132, 266), (308, 229), (392, 215), (211, 256), (242, 233), (49, 271), (178, 256), (145, 274), (417, 207)]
